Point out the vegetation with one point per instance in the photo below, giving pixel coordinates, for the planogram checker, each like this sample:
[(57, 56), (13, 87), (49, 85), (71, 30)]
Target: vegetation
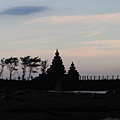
[(54, 77), (49, 78), (11, 64), (44, 66), (2, 64), (24, 63), (33, 64), (27, 64)]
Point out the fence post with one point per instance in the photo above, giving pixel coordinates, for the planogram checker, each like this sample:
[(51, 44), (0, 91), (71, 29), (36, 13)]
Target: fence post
[(87, 77), (103, 77), (112, 77), (80, 77), (117, 77), (99, 77), (107, 77)]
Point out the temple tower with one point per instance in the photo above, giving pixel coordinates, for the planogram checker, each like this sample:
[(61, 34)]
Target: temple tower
[(72, 72), (56, 70), (72, 81)]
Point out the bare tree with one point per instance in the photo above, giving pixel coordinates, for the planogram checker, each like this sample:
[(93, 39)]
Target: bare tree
[(2, 63), (44, 65), (11, 64)]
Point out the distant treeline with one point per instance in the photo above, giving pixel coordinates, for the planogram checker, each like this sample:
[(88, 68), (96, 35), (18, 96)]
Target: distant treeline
[(28, 64)]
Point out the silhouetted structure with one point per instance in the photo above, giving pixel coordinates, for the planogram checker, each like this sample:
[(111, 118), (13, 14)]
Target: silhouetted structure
[(54, 78), (72, 73), (56, 70), (72, 79)]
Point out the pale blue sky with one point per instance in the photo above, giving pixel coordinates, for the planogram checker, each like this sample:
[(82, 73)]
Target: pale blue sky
[(86, 32)]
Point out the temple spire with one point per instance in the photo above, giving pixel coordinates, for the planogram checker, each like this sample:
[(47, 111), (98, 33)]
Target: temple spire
[(72, 72), (56, 70), (57, 53), (72, 64)]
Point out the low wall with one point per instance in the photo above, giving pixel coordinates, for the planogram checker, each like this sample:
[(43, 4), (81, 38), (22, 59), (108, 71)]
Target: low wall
[(99, 84), (83, 85)]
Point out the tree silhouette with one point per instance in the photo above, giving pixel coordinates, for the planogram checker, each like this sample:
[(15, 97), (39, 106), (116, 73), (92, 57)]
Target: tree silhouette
[(33, 64), (2, 63), (44, 65), (11, 64), (25, 63)]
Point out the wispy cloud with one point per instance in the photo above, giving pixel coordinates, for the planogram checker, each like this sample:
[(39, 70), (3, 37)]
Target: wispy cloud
[(104, 18), (90, 49), (23, 44), (93, 34), (43, 53), (105, 43), (24, 10)]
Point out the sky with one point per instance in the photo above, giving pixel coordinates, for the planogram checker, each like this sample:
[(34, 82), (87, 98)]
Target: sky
[(86, 32)]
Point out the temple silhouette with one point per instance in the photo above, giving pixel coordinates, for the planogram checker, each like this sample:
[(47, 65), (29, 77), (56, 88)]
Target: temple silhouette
[(56, 76), (56, 70)]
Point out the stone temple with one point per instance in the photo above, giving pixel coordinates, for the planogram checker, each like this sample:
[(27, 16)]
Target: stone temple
[(57, 77)]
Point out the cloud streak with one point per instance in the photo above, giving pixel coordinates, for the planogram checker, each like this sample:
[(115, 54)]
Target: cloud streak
[(91, 49), (104, 18), (93, 34), (24, 10), (105, 43)]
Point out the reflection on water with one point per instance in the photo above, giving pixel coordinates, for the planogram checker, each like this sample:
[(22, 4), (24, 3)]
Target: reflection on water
[(99, 92), (110, 118)]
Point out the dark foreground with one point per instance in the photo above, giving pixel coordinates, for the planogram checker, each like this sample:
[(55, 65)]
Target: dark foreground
[(37, 105)]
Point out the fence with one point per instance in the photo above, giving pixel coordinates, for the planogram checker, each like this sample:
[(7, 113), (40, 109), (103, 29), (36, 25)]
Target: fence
[(103, 77)]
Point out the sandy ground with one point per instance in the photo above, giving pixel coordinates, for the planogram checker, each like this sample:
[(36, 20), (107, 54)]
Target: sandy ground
[(36, 105)]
